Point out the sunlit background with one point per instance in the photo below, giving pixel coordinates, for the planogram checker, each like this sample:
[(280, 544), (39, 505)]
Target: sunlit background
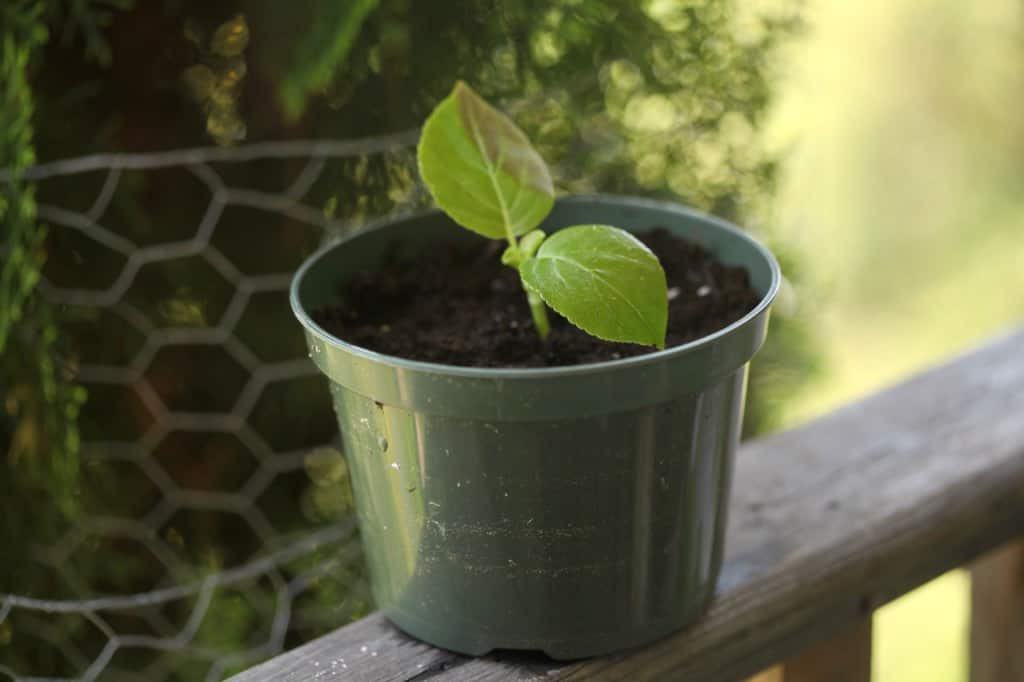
[(901, 151), (161, 425)]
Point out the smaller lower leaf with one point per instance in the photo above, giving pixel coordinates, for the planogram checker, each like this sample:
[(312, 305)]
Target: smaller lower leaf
[(603, 280)]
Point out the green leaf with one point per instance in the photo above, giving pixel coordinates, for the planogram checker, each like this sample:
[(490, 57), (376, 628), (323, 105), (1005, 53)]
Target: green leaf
[(481, 169), (231, 37), (306, 66), (603, 280)]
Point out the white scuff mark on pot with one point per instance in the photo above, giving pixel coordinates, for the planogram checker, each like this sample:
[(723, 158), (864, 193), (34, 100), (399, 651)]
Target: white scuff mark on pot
[(364, 649), (396, 466), (704, 290), (673, 293), (491, 427), (434, 504)]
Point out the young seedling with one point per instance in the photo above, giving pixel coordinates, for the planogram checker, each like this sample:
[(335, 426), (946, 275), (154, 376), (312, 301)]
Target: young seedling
[(483, 172)]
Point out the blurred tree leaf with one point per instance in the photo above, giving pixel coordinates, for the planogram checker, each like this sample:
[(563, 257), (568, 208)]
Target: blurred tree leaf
[(88, 19), (322, 37), (231, 38)]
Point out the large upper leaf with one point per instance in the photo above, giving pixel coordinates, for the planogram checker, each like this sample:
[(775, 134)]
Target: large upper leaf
[(604, 280), (481, 169)]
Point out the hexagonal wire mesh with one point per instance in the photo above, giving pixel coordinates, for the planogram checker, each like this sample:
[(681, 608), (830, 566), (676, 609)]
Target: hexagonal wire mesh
[(215, 501)]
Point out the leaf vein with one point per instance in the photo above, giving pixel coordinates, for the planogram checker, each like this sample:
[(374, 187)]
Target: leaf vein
[(606, 283)]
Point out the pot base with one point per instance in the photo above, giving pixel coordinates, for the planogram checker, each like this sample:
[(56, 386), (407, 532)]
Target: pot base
[(478, 641)]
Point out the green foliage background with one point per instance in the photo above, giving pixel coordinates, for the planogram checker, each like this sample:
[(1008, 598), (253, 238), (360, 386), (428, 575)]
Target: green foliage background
[(655, 98), (39, 421)]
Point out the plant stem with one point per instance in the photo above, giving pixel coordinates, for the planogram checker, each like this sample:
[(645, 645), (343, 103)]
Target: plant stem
[(538, 310), (540, 314)]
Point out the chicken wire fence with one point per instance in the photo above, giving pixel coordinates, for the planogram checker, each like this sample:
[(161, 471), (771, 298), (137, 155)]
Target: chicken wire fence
[(217, 527)]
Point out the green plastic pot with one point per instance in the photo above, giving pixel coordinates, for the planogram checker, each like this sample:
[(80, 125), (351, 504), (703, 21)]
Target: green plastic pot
[(576, 510)]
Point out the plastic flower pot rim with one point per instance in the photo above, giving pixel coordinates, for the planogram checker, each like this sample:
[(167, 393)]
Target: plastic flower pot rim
[(652, 357)]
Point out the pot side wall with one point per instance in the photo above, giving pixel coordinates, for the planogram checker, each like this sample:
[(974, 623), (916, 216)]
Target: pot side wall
[(576, 511)]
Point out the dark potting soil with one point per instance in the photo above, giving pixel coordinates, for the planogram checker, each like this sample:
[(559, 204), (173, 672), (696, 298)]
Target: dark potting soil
[(463, 307)]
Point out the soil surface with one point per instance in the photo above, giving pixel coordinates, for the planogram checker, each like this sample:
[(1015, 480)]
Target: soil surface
[(463, 307)]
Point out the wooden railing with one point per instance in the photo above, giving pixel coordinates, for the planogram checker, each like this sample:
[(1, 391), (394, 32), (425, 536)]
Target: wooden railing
[(828, 522)]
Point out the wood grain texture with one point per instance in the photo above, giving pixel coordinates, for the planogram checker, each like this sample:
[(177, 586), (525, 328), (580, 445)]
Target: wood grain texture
[(828, 521), (843, 658), (997, 616)]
